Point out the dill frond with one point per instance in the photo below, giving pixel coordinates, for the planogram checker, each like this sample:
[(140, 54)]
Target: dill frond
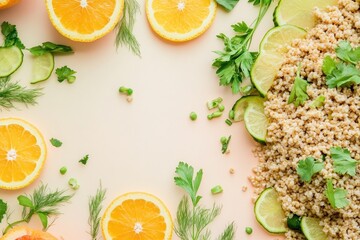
[(229, 232), (12, 92), (125, 27), (95, 206)]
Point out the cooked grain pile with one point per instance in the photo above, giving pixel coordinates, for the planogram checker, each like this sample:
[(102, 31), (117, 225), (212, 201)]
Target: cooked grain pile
[(295, 133)]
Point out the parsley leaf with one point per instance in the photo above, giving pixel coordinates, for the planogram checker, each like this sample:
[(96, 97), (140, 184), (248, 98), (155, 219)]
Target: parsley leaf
[(185, 180), (11, 35), (227, 4), (343, 163), (345, 52), (307, 168), (55, 142), (65, 73), (318, 102), (298, 93), (336, 196), (50, 47), (85, 159), (3, 209)]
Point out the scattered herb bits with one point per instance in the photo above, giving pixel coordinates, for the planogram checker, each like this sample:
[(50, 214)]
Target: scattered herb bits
[(228, 122), (248, 230), (225, 144), (193, 116), (214, 103), (84, 160), (294, 222), (126, 91), (55, 142), (73, 183), (63, 170), (216, 190), (214, 115), (65, 73)]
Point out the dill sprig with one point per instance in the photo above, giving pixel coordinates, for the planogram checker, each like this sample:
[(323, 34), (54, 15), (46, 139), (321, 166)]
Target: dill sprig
[(125, 27), (12, 92), (43, 202), (95, 206), (193, 219)]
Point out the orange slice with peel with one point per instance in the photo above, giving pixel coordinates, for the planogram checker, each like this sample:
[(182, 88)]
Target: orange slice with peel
[(84, 20), (7, 3), (137, 216), (180, 20), (26, 233), (22, 153)]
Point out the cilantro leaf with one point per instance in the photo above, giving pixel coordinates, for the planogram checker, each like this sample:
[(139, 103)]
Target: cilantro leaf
[(307, 168), (65, 73), (55, 142), (343, 75), (345, 52), (257, 2), (336, 196), (318, 102), (329, 65), (11, 35), (343, 163), (85, 159), (3, 209), (50, 47), (227, 4), (298, 93), (185, 179)]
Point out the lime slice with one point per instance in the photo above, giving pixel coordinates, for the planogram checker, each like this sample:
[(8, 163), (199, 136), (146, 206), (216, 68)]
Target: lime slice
[(268, 212), (272, 51), (312, 229), (43, 66), (299, 12), (11, 59), (241, 104), (256, 122)]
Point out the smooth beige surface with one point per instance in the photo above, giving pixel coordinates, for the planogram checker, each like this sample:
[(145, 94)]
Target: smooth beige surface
[(136, 146)]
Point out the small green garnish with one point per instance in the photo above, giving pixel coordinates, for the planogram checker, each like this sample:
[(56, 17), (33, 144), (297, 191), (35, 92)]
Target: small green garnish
[(84, 160), (336, 196), (65, 73), (345, 52), (55, 142), (214, 103), (63, 170), (228, 5), (294, 222), (3, 209), (228, 122), (216, 190), (53, 48), (248, 230), (214, 115), (225, 143), (232, 114), (193, 116), (221, 107), (298, 94), (318, 102), (11, 35), (73, 183), (126, 91), (95, 206), (308, 167), (343, 163)]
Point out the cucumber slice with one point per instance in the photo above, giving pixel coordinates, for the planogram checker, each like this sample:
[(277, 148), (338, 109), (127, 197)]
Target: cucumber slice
[(269, 213), (43, 66), (11, 59), (256, 122), (312, 229), (241, 104), (299, 12)]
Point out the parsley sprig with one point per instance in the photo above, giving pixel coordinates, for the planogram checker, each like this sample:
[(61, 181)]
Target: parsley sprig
[(192, 219), (298, 94), (235, 61), (11, 35), (343, 163)]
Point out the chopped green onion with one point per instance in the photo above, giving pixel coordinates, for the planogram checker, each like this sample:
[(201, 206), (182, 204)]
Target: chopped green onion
[(125, 90), (248, 230), (217, 189), (228, 122), (63, 170), (73, 183), (193, 116), (232, 114), (214, 103), (223, 140), (221, 107), (225, 143), (214, 115)]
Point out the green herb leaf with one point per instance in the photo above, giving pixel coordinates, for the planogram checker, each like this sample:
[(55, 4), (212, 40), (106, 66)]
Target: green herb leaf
[(185, 181), (343, 163), (65, 73), (307, 168), (11, 35), (50, 47), (336, 196), (227, 4), (3, 209), (229, 232), (343, 75), (345, 52), (95, 206), (318, 102), (84, 159), (44, 219), (25, 201), (124, 35), (217, 189), (329, 65), (55, 142), (298, 94)]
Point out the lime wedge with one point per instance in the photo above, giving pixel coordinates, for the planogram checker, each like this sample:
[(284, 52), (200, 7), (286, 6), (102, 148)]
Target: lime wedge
[(11, 59), (43, 66), (256, 122), (299, 12), (241, 105), (312, 229), (272, 51), (269, 213)]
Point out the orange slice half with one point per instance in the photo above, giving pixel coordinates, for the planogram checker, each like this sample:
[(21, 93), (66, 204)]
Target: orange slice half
[(137, 216), (84, 20), (22, 153), (180, 20), (26, 233), (7, 3)]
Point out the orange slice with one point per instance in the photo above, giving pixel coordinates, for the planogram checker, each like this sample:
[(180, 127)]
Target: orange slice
[(26, 233), (7, 3), (22, 153), (84, 20), (137, 216), (180, 20)]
